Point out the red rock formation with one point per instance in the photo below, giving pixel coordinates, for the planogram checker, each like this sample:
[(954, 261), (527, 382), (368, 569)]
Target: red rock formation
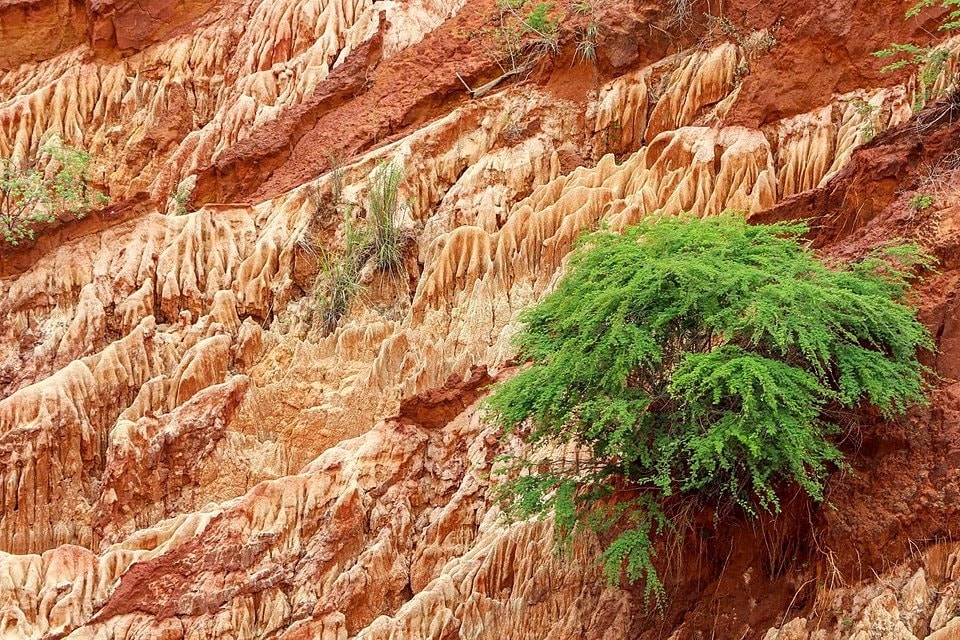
[(186, 453)]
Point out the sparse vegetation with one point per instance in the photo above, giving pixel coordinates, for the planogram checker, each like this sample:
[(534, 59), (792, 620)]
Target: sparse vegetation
[(340, 273), (582, 7), (935, 180), (753, 44), (380, 238), (336, 177), (587, 42), (921, 201), (181, 196), (526, 30), (681, 13), (929, 61), (31, 198), (384, 213), (867, 112), (690, 362), (609, 139)]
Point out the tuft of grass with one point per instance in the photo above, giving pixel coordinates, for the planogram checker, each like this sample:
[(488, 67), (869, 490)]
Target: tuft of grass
[(336, 161), (526, 30), (384, 213), (587, 42), (582, 7), (340, 273)]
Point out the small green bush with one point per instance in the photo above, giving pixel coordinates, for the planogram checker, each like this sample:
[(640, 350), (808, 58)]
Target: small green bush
[(919, 201), (180, 197), (30, 198), (698, 360), (527, 29)]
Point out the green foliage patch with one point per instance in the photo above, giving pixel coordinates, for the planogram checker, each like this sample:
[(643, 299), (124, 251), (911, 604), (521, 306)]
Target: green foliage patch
[(31, 198), (929, 61), (698, 359)]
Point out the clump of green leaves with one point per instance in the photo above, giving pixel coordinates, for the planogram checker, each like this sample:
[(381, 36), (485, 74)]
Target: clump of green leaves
[(921, 201), (180, 196), (930, 62), (384, 214), (951, 20), (31, 198), (698, 360)]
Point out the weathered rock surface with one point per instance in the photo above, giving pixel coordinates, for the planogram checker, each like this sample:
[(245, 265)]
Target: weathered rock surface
[(185, 453)]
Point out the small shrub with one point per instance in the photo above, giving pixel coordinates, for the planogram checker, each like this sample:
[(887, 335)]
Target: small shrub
[(538, 21), (384, 214), (526, 30), (920, 201), (30, 198), (181, 196), (692, 361)]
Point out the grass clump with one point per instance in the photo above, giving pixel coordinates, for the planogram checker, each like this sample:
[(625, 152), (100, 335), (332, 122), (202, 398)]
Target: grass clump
[(378, 237), (340, 273), (526, 29), (587, 42), (693, 361), (384, 213)]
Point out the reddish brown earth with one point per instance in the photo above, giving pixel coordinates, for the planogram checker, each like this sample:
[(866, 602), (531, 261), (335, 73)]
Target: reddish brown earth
[(186, 452)]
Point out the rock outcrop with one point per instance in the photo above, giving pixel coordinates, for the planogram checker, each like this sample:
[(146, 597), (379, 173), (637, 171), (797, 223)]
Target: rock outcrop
[(186, 452)]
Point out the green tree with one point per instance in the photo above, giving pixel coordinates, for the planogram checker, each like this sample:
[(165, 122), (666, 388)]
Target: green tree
[(698, 359), (30, 198)]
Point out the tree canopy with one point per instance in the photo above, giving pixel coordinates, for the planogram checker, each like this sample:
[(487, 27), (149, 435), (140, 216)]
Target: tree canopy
[(702, 358)]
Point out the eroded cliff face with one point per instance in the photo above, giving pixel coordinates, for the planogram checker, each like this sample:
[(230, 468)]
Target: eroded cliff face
[(186, 453)]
